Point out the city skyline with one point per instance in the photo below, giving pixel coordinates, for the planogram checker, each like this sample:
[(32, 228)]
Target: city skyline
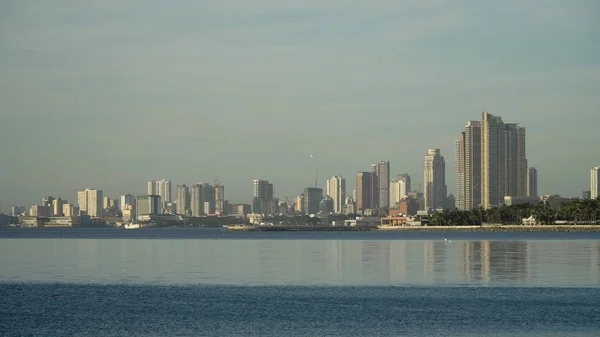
[(112, 94)]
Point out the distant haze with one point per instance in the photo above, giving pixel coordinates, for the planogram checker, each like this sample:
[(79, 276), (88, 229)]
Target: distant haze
[(109, 94)]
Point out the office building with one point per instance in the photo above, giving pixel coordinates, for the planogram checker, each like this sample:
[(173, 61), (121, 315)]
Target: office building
[(196, 204), (381, 184), (163, 189), (183, 199), (152, 187), (90, 202), (399, 188), (532, 189), (127, 199), (148, 205), (312, 199), (434, 191), (336, 190), (364, 191), (262, 197), (220, 203)]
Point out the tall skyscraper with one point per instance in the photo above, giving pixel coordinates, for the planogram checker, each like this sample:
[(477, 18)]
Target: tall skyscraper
[(152, 187), (381, 184), (468, 167), (163, 189), (503, 160), (336, 190), (262, 200), (532, 190), (208, 198), (594, 179), (399, 188), (90, 201), (183, 199), (196, 204), (364, 191), (312, 198), (434, 179), (493, 160), (219, 198)]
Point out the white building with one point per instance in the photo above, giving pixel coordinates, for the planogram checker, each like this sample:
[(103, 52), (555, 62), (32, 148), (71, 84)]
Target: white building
[(196, 204), (594, 178), (90, 201), (434, 192), (163, 189), (152, 187), (399, 188), (127, 199), (336, 190)]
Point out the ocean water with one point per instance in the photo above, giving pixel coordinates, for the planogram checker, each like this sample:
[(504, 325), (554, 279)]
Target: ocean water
[(199, 282)]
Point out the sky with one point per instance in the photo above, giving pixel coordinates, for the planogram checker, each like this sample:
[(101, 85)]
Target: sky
[(110, 94)]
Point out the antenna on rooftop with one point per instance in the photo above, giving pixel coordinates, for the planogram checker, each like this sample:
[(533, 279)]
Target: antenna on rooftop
[(317, 179)]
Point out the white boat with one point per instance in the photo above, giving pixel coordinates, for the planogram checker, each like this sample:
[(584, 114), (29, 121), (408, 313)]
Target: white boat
[(132, 226)]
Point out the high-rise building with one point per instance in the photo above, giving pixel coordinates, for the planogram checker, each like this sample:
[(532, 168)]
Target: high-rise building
[(262, 201), (208, 198), (399, 188), (152, 187), (57, 206), (312, 199), (381, 184), (127, 199), (503, 160), (163, 189), (90, 201), (364, 191), (594, 179), (336, 190), (532, 190), (493, 160), (196, 204), (148, 205), (434, 179), (219, 198), (183, 199)]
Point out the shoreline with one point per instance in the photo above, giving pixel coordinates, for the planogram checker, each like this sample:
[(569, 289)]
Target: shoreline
[(497, 228)]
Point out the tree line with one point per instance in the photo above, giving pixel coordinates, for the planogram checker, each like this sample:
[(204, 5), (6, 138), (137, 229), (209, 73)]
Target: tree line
[(574, 211)]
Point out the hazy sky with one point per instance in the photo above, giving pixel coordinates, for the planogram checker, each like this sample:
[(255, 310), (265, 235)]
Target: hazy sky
[(109, 94)]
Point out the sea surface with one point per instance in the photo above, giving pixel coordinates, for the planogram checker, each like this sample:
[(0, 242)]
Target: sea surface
[(209, 282)]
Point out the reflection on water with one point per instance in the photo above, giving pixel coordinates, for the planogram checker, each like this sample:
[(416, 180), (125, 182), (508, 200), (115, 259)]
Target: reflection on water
[(306, 262)]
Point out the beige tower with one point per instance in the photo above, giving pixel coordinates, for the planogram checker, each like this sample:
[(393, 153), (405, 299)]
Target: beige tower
[(434, 191), (493, 160)]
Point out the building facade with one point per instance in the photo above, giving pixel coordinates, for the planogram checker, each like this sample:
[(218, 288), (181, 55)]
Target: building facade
[(434, 191), (336, 190)]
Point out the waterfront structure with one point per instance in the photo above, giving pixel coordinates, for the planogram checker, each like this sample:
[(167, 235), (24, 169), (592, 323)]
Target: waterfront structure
[(532, 190), (594, 179), (90, 202), (183, 199), (399, 188), (381, 184), (435, 180), (336, 190), (312, 199)]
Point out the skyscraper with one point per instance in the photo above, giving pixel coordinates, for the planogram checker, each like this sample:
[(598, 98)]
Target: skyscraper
[(196, 204), (219, 198), (90, 201), (364, 191), (312, 198), (262, 201), (532, 190), (336, 189), (183, 199), (381, 184), (163, 189), (434, 179), (399, 188), (493, 160), (468, 167), (152, 187), (594, 179)]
